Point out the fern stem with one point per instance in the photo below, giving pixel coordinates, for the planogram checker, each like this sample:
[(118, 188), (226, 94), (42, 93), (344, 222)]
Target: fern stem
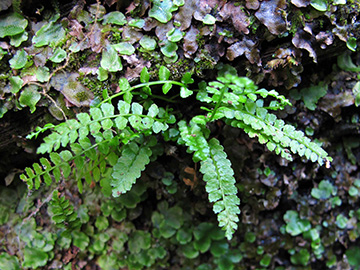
[(141, 85), (163, 98), (223, 89)]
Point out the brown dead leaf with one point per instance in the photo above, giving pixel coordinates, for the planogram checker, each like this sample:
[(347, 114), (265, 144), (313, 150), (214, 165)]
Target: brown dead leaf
[(252, 4), (162, 29), (341, 32), (131, 7), (204, 7), (238, 17), (188, 182), (131, 35), (133, 73), (70, 254), (76, 29), (29, 78), (4, 45), (285, 76), (73, 91), (191, 173), (190, 44), (190, 170), (185, 14), (5, 4), (150, 23), (247, 47), (11, 175), (303, 40), (332, 104), (270, 14), (96, 39), (284, 57), (324, 39), (40, 55), (215, 50)]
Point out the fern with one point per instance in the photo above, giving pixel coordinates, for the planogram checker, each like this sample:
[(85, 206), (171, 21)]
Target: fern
[(195, 137), (128, 168), (218, 174), (63, 214), (94, 144), (112, 146), (236, 100), (220, 185)]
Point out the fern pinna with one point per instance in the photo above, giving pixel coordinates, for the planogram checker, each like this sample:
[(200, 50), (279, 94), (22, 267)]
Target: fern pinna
[(112, 146)]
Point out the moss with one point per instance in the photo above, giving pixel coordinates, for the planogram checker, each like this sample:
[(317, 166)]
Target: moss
[(94, 85), (16, 4), (179, 68), (77, 60), (297, 21), (81, 96), (204, 61), (200, 40), (116, 37)]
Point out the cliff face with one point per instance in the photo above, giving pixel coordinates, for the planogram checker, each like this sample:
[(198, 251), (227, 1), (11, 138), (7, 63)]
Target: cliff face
[(59, 58)]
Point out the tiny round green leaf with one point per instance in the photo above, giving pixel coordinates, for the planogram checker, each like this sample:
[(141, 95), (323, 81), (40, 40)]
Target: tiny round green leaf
[(19, 60), (320, 5), (138, 23), (115, 17), (147, 43), (351, 44), (124, 48), (12, 24), (58, 56), (209, 19)]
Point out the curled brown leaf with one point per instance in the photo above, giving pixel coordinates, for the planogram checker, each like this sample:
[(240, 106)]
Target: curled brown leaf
[(271, 15), (190, 42), (238, 17)]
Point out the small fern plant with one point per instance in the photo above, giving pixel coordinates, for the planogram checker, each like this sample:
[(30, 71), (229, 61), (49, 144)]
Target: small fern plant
[(111, 145)]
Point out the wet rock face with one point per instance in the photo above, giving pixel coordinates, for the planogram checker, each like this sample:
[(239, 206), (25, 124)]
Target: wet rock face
[(293, 214), (74, 92)]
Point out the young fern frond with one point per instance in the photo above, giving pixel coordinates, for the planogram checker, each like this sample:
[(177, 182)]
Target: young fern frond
[(134, 157), (218, 174), (220, 185), (282, 138), (195, 138), (63, 214)]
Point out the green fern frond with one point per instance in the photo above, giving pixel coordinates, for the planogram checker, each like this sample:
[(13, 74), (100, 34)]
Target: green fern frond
[(57, 167), (63, 214), (93, 139), (218, 174), (134, 157), (113, 145), (195, 137), (234, 90), (238, 101), (282, 138), (104, 118), (220, 185)]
